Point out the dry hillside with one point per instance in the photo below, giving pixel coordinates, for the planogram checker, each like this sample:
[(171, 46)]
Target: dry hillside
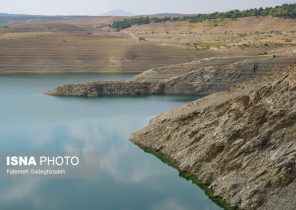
[(88, 44)]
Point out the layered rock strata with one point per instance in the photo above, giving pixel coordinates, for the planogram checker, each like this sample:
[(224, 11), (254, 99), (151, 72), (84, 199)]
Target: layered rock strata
[(240, 142)]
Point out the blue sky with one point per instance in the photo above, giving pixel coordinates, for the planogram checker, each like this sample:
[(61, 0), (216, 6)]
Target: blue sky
[(95, 7)]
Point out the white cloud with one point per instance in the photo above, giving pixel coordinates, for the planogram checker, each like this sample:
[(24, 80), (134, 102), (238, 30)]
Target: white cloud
[(169, 204)]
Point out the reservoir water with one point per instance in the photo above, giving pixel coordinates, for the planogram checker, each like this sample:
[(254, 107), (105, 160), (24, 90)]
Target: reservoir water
[(129, 178)]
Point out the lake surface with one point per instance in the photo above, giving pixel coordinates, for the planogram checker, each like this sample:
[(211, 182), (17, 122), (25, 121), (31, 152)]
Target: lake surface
[(129, 178)]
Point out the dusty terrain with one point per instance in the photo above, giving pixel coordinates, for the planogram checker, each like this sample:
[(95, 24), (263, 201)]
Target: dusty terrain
[(88, 44), (241, 143)]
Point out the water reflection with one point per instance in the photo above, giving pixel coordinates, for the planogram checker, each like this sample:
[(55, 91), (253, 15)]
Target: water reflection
[(128, 178)]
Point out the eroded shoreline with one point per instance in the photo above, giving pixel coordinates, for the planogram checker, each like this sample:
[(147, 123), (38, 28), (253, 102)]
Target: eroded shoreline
[(190, 177), (198, 77), (240, 143)]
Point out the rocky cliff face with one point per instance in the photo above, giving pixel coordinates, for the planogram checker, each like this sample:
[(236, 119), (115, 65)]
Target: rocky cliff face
[(198, 77), (240, 142)]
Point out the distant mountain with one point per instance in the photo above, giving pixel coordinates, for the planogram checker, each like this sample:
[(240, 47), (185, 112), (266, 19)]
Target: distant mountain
[(170, 14), (117, 12)]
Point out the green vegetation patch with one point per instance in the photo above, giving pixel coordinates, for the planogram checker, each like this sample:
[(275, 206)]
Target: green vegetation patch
[(186, 175), (286, 11)]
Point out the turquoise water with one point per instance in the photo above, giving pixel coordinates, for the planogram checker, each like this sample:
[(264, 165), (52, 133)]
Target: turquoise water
[(129, 178)]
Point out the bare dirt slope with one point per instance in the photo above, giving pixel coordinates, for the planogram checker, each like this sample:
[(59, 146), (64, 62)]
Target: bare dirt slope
[(85, 52)]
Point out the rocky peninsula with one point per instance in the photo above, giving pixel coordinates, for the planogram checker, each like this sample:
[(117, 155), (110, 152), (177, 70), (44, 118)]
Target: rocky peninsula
[(202, 76), (240, 142)]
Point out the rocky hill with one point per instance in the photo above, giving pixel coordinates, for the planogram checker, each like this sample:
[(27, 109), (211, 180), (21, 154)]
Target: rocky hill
[(198, 77), (240, 142)]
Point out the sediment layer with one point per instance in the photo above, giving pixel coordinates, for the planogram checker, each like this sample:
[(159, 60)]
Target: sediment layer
[(202, 76)]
